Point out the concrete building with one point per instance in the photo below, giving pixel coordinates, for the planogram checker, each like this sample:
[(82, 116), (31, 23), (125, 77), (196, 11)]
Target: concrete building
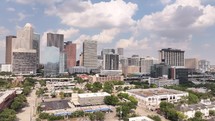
[(51, 69), (173, 57), (141, 118), (134, 61), (204, 107), (62, 62), (90, 54), (120, 51), (132, 69), (111, 62), (81, 57), (111, 72), (204, 66), (146, 63), (36, 46), (70, 54), (24, 62), (56, 40), (89, 99), (161, 82), (9, 49), (6, 98), (97, 78), (6, 68), (191, 63), (79, 70), (160, 70), (107, 51), (180, 73), (152, 97)]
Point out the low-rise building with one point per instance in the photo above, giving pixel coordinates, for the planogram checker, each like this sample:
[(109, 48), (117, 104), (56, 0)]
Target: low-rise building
[(141, 118), (6, 98), (97, 78), (6, 68), (111, 72), (154, 96), (89, 98), (204, 107), (161, 82), (79, 69)]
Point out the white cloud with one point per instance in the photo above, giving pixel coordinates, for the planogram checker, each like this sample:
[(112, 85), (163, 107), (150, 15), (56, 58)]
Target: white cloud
[(67, 32), (165, 1), (106, 36), (177, 21), (115, 13), (21, 16), (133, 44), (11, 9)]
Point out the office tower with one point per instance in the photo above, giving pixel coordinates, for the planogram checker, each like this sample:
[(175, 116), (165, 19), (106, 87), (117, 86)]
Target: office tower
[(56, 40), (107, 51), (191, 63), (70, 54), (81, 57), (173, 57), (134, 61), (160, 70), (24, 62), (146, 63), (111, 61), (24, 59), (8, 52), (204, 66), (120, 51), (36, 46), (90, 54)]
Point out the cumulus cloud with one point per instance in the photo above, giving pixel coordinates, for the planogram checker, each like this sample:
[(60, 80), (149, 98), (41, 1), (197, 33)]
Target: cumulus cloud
[(166, 1), (178, 21), (106, 36), (131, 43), (21, 16), (11, 9), (115, 13), (3, 30), (68, 32)]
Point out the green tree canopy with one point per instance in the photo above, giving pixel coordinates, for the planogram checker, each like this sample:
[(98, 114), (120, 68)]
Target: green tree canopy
[(111, 100)]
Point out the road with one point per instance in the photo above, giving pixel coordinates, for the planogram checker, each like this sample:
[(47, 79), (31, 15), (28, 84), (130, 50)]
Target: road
[(28, 113)]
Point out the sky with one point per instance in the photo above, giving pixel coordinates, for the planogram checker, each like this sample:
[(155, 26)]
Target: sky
[(139, 26)]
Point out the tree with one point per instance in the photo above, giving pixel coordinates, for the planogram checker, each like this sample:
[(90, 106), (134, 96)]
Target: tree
[(111, 100), (96, 86), (89, 86), (198, 114), (155, 117), (212, 112), (8, 115), (192, 98), (108, 87), (61, 95), (123, 95), (26, 90)]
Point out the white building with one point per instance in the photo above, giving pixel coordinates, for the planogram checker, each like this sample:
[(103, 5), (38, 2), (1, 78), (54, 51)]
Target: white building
[(90, 54), (6, 68), (161, 82), (204, 107), (89, 98), (154, 96), (204, 66), (146, 63), (142, 118)]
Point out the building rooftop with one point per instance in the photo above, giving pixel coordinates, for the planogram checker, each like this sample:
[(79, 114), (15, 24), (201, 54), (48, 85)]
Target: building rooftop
[(5, 94), (55, 105), (93, 94), (142, 118), (154, 92)]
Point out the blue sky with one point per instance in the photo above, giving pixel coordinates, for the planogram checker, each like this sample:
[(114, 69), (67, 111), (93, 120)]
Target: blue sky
[(140, 26)]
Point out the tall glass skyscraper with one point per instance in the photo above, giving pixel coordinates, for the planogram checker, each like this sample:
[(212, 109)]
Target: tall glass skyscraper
[(90, 54)]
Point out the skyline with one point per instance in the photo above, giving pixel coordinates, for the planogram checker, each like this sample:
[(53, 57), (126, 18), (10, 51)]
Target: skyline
[(141, 27)]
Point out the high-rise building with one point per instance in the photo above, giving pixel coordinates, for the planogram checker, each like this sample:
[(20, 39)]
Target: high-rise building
[(90, 54), (56, 40), (107, 51), (146, 63), (70, 54), (204, 66), (24, 51), (173, 57), (191, 63), (120, 51), (36, 46), (111, 61), (9, 51), (160, 70), (134, 61)]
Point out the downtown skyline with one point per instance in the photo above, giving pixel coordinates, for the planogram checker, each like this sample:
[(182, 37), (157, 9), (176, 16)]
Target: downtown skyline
[(140, 27)]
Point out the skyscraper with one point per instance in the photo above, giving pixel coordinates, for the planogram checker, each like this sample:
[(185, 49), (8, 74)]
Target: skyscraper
[(173, 57), (146, 64), (120, 51), (107, 51), (9, 51), (24, 59), (90, 54), (111, 61), (204, 66), (56, 40), (70, 53), (36, 46), (191, 63)]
